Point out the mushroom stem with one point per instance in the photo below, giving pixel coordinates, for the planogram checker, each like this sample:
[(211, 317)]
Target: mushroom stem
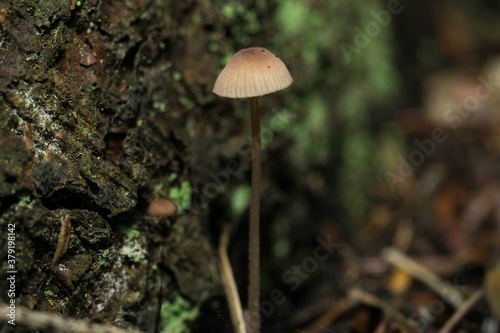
[(253, 247)]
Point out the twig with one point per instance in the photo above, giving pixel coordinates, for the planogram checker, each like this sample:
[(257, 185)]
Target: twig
[(329, 317), (462, 311), (233, 298), (64, 236), (419, 272), (382, 326), (372, 300), (439, 265), (45, 320)]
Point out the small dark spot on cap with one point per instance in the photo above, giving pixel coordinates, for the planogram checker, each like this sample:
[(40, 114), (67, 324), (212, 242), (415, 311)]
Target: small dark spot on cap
[(263, 50), (276, 56), (268, 66)]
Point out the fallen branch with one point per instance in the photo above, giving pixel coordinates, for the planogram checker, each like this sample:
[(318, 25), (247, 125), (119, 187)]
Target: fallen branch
[(329, 317), (372, 300), (45, 320), (445, 290), (462, 311)]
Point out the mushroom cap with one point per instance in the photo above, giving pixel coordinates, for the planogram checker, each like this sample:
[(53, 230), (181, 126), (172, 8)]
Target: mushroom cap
[(252, 72), (162, 208)]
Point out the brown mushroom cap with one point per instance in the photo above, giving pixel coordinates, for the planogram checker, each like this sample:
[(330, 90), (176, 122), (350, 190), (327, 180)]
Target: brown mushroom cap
[(162, 208), (252, 72)]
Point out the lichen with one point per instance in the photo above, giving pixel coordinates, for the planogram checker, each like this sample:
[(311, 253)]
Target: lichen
[(134, 251), (41, 116)]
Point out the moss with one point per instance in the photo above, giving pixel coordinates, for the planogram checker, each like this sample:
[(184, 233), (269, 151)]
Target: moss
[(337, 129), (184, 101), (213, 47), (240, 199), (172, 177), (25, 201), (230, 10), (181, 196), (281, 120), (129, 232), (177, 76), (49, 296), (162, 107), (176, 315), (246, 21)]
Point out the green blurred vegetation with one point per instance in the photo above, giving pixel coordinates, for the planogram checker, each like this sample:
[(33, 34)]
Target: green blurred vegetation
[(323, 165), (181, 196), (175, 315), (342, 105)]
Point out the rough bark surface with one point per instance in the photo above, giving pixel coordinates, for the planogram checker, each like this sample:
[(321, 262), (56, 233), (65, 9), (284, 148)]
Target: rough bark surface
[(101, 113)]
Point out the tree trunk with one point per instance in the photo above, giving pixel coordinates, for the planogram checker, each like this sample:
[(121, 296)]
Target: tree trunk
[(101, 113)]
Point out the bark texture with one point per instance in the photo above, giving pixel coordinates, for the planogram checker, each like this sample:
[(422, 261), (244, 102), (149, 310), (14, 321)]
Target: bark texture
[(101, 113)]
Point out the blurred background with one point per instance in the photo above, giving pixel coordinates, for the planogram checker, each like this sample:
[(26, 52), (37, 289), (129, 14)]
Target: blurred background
[(388, 137)]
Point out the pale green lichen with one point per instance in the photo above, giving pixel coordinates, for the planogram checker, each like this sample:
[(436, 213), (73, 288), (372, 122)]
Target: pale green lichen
[(42, 114), (133, 251)]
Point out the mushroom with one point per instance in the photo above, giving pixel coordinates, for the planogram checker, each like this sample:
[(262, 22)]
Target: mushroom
[(162, 208), (253, 72)]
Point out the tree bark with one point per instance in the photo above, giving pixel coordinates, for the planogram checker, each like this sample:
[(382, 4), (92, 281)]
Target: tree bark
[(101, 113)]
